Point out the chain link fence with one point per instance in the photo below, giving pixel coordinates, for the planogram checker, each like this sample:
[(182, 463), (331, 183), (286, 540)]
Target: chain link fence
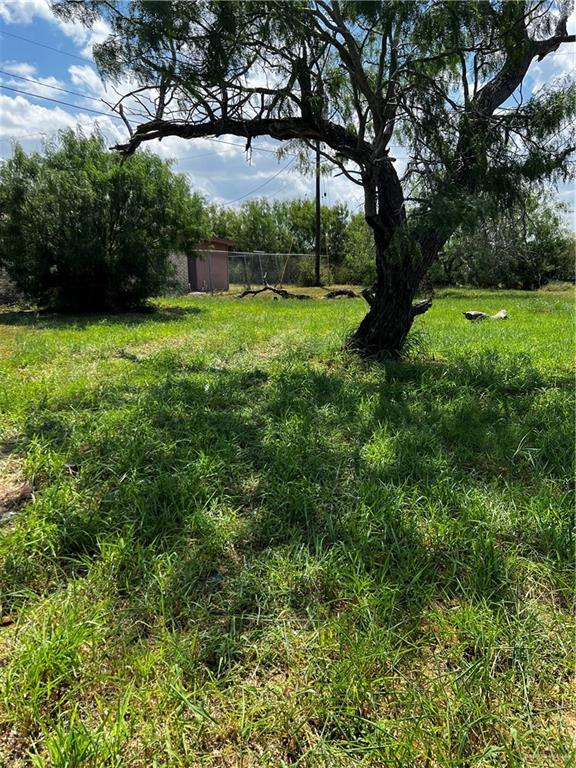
[(257, 268)]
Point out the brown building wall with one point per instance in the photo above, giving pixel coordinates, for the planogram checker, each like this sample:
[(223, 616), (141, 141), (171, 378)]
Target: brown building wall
[(210, 272)]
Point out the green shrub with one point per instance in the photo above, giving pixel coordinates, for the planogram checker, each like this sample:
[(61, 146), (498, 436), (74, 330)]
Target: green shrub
[(359, 263), (524, 246), (81, 230)]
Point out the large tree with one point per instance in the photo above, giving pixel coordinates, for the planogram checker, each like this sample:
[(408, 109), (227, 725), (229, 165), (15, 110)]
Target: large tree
[(443, 79)]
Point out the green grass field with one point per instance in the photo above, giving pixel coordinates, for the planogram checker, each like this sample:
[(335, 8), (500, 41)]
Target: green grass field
[(270, 553)]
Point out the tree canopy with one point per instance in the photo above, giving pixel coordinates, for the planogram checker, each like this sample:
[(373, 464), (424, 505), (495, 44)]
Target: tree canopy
[(442, 79), (82, 231)]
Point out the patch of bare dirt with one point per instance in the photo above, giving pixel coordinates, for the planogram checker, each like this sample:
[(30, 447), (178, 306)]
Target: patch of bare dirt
[(15, 490), (13, 750), (12, 494)]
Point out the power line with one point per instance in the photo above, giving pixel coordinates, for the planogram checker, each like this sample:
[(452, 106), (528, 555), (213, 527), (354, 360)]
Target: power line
[(229, 202), (197, 157), (43, 45), (241, 146), (65, 103), (46, 85)]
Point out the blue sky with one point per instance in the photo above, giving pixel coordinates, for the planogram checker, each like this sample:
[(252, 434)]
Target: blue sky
[(219, 170)]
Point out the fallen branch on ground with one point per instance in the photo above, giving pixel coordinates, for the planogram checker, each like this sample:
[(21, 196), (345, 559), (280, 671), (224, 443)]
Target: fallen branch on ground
[(279, 291), (421, 306), (341, 293)]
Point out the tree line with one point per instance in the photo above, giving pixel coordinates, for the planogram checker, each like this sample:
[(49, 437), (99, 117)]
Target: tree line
[(82, 231), (523, 245)]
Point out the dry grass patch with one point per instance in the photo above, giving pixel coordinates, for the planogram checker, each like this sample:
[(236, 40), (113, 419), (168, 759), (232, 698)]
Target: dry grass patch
[(15, 489)]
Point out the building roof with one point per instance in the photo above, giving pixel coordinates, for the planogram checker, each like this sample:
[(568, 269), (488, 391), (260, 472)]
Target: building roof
[(219, 241)]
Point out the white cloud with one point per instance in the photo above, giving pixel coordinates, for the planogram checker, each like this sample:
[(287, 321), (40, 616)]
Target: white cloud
[(28, 11), (82, 37), (22, 119), (33, 83), (19, 68), (24, 11), (84, 76)]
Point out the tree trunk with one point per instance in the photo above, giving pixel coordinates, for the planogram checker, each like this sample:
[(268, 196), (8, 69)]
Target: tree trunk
[(384, 329), (403, 263), (405, 251)]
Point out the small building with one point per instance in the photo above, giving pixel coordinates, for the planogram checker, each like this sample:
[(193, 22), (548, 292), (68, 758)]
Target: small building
[(209, 271), (206, 271)]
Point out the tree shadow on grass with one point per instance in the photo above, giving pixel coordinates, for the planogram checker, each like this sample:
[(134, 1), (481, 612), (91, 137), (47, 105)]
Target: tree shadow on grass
[(223, 493), (36, 320), (318, 532)]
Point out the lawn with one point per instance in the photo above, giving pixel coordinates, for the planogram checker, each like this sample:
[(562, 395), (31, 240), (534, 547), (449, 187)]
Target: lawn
[(247, 548)]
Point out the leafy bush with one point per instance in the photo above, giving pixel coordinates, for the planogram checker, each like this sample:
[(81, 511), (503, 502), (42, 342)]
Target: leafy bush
[(359, 263), (83, 231), (523, 246), (306, 274)]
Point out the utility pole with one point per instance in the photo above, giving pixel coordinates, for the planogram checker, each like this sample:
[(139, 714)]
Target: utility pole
[(317, 271)]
